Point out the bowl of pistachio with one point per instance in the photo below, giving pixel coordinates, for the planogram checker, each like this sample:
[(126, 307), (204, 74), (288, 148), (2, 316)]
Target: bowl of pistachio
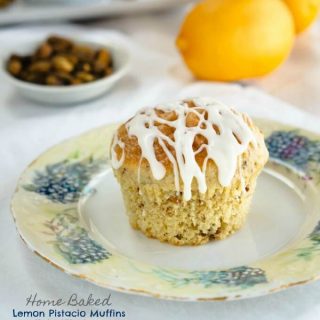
[(62, 71)]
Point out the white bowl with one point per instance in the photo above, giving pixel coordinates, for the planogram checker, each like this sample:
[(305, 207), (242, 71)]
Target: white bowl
[(63, 95)]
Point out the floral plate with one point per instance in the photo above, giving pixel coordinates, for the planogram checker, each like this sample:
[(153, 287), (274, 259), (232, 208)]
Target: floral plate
[(68, 209)]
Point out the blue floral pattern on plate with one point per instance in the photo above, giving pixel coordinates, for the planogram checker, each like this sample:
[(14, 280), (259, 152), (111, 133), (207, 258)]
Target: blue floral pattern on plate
[(240, 276), (294, 149), (64, 181), (304, 154), (73, 241)]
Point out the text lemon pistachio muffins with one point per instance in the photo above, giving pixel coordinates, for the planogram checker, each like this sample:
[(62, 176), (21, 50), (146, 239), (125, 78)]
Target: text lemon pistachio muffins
[(188, 169)]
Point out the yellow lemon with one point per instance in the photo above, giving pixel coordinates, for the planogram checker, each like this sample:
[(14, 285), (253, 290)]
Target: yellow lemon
[(304, 12), (230, 40)]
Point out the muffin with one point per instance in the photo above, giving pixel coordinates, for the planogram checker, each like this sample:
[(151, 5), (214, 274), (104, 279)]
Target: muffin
[(188, 169)]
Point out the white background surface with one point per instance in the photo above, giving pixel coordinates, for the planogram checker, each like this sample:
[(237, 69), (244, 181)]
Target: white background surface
[(26, 129)]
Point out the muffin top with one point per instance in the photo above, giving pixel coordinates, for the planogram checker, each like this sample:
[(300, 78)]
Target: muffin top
[(183, 137)]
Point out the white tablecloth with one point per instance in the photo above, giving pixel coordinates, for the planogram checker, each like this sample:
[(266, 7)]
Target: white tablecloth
[(26, 129)]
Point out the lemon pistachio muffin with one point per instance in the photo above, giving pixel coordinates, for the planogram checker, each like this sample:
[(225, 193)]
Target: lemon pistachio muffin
[(188, 169)]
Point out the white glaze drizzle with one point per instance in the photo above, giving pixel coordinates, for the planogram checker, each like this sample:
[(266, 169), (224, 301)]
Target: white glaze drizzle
[(223, 146), (116, 164)]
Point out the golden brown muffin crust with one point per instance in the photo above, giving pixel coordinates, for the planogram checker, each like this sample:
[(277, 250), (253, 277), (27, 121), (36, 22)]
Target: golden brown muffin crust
[(132, 149)]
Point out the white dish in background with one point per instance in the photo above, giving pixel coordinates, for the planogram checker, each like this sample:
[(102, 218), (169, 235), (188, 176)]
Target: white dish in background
[(28, 11), (63, 95)]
